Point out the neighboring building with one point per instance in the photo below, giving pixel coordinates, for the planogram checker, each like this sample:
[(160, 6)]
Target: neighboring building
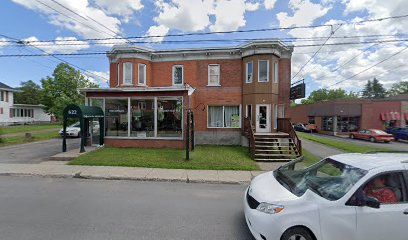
[(19, 113), (150, 91), (343, 116)]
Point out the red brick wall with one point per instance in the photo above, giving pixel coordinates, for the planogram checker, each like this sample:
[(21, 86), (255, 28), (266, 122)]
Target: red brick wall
[(370, 117), (298, 114), (145, 143), (284, 81)]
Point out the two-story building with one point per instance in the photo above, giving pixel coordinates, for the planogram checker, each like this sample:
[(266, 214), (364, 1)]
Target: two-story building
[(11, 113), (150, 91)]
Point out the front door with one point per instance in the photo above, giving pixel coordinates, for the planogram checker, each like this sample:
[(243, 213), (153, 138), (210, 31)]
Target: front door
[(263, 118)]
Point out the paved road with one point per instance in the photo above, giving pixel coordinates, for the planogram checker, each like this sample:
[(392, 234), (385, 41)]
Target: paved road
[(397, 146), (35, 152), (66, 209)]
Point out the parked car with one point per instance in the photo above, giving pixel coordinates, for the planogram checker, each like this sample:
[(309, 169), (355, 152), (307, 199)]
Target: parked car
[(348, 196), (301, 127), (312, 127), (399, 133), (74, 130), (372, 135)]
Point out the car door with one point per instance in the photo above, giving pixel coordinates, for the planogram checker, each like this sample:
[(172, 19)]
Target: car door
[(360, 134), (390, 220)]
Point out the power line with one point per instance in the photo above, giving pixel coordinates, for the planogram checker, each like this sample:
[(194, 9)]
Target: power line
[(365, 70), (228, 32), (314, 55)]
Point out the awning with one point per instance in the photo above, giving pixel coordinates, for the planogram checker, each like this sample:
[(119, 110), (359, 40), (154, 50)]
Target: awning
[(390, 116)]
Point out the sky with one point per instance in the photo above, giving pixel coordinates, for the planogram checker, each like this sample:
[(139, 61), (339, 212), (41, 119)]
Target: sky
[(68, 25)]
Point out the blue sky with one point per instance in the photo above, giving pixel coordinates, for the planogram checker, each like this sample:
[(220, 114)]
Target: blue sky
[(32, 20)]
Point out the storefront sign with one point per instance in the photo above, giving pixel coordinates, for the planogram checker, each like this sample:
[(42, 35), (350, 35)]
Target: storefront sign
[(116, 111), (298, 91)]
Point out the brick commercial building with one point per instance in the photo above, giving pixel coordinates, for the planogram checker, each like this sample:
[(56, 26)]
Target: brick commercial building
[(151, 90), (343, 116)]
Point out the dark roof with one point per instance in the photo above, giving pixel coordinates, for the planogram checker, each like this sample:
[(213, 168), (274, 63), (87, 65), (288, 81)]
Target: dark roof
[(4, 86)]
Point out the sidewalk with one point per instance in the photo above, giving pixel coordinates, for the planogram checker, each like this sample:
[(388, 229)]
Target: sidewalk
[(60, 170), (318, 149)]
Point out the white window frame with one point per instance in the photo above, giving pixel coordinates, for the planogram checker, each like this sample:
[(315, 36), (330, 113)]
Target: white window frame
[(267, 70), (275, 72), (118, 80), (219, 75), (223, 115), (144, 74), (182, 74), (275, 116), (246, 73), (131, 74)]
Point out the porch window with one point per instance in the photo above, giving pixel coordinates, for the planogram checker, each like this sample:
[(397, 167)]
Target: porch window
[(214, 75), (127, 73), (275, 72), (116, 117), (142, 118), (178, 74), (248, 72), (224, 117), (169, 117), (142, 74), (263, 71)]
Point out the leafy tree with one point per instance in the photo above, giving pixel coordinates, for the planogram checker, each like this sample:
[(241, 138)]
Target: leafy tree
[(60, 89), (328, 94), (398, 88), (30, 93), (374, 89)]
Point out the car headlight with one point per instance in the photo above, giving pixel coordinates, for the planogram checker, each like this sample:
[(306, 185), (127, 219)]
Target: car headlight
[(269, 208)]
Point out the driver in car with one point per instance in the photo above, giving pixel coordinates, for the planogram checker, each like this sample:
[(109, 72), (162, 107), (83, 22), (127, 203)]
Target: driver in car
[(377, 189)]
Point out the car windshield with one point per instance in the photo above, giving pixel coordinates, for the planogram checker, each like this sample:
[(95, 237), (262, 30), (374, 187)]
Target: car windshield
[(328, 178), (75, 125), (379, 132)]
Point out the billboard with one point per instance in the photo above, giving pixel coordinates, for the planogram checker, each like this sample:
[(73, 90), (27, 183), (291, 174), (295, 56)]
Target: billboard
[(298, 91)]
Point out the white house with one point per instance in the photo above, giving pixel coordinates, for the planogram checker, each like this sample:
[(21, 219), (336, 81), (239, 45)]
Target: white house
[(11, 113)]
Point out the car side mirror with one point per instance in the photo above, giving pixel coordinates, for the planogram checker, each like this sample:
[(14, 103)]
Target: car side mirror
[(361, 200), (371, 202)]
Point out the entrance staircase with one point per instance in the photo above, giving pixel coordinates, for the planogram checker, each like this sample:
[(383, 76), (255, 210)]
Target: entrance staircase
[(281, 146)]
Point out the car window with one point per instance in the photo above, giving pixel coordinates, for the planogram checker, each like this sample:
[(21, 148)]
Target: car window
[(361, 131), (367, 132), (387, 188), (380, 132)]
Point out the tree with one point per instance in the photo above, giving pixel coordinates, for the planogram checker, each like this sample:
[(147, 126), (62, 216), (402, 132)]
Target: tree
[(398, 88), (30, 93), (60, 89), (374, 89), (326, 94)]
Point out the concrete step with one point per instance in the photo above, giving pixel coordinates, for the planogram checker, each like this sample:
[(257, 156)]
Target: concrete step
[(272, 155)]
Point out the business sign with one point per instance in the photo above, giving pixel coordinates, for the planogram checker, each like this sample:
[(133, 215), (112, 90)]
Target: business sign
[(298, 91)]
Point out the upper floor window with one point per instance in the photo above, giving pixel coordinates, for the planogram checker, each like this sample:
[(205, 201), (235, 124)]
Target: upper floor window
[(263, 71), (248, 72), (214, 75), (127, 73), (142, 74), (178, 74), (118, 81), (275, 72), (2, 97)]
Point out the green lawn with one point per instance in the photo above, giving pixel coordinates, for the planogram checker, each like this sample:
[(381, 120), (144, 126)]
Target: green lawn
[(5, 141), (203, 157), (27, 128), (344, 146)]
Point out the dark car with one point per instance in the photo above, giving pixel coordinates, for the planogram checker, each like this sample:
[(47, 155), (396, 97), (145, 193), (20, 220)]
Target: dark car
[(301, 127), (399, 133)]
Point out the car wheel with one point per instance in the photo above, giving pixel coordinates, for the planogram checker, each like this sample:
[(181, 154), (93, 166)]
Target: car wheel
[(352, 136), (297, 233), (372, 139), (396, 139)]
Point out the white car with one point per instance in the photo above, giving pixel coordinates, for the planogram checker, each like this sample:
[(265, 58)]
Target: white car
[(74, 130), (353, 196)]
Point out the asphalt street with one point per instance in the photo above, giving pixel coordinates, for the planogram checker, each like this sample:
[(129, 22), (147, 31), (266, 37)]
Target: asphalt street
[(35, 152), (34, 208)]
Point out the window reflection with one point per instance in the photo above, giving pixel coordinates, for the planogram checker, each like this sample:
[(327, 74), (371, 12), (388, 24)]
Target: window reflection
[(116, 117), (169, 117), (142, 118)]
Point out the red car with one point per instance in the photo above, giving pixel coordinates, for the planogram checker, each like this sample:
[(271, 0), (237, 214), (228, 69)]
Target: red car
[(372, 135)]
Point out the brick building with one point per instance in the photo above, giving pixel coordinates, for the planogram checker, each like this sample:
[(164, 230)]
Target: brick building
[(150, 91), (343, 116)]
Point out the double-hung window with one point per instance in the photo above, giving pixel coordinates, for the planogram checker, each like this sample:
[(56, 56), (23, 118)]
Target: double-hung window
[(249, 71), (127, 73), (214, 75), (224, 117), (275, 72), (142, 74), (263, 71), (178, 75)]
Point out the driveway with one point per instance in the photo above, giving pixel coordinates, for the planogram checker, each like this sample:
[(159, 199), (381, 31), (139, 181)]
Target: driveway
[(396, 146), (35, 152)]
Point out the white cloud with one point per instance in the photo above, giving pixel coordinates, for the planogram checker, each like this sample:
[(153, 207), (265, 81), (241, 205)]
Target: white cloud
[(58, 46), (229, 15), (160, 30), (252, 6), (100, 78), (304, 13), (269, 4), (83, 26), (122, 8), (3, 42)]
